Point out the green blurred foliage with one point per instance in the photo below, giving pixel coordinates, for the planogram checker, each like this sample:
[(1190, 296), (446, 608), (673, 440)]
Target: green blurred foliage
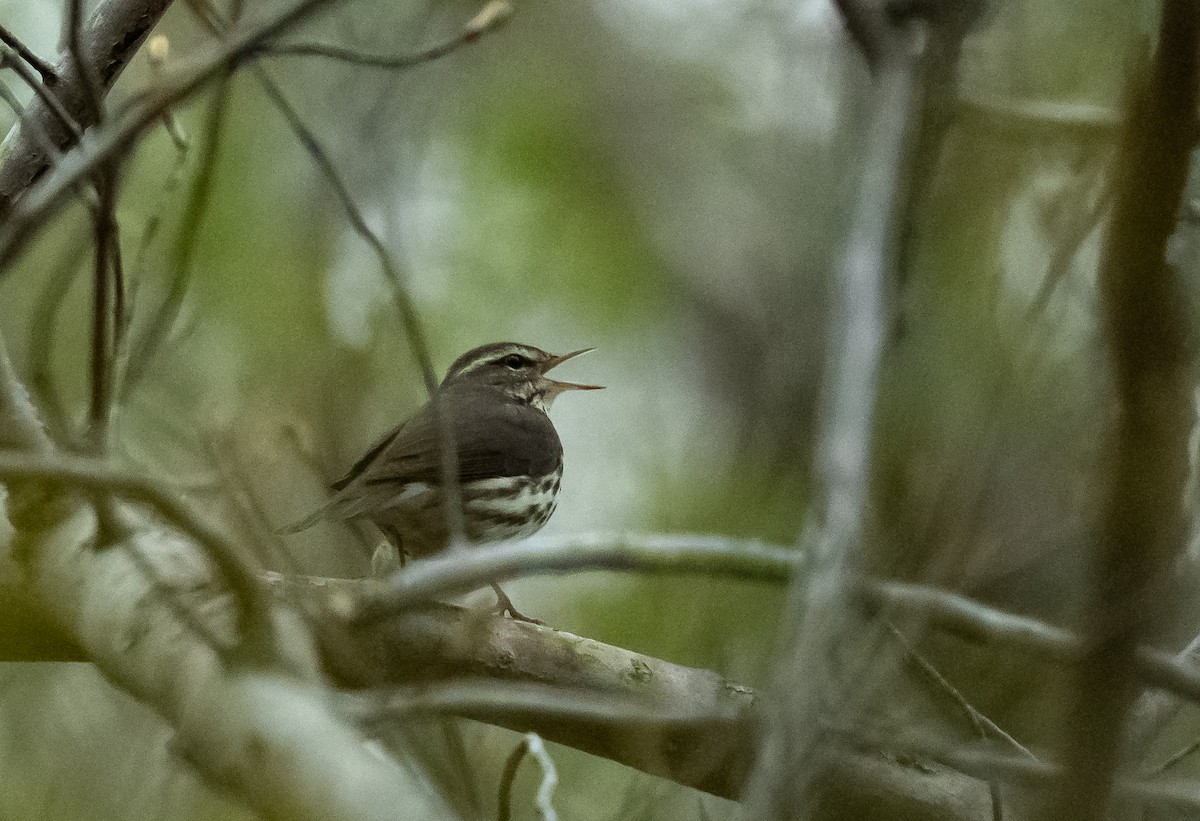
[(665, 182)]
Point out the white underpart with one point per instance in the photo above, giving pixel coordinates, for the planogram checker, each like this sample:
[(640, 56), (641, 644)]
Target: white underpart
[(414, 493)]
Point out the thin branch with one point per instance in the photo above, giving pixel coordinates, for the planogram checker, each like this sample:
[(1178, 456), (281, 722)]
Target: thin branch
[(707, 555), (507, 777), (461, 696), (1068, 247), (980, 622), (108, 41), (20, 426), (10, 60), (40, 199), (490, 18), (545, 791), (867, 25), (157, 49), (108, 310), (1021, 770), (983, 725), (183, 250), (43, 334), (39, 133), (49, 75), (1155, 709), (1177, 757)]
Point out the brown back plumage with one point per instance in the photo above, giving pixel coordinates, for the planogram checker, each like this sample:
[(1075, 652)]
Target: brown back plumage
[(492, 438)]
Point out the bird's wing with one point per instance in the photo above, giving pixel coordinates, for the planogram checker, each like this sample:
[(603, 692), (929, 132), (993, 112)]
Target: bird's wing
[(499, 439), (367, 458)]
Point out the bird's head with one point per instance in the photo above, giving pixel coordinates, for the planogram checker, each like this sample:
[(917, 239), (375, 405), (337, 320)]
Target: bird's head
[(517, 370)]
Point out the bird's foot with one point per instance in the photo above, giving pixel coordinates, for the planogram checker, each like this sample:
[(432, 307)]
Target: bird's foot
[(504, 605)]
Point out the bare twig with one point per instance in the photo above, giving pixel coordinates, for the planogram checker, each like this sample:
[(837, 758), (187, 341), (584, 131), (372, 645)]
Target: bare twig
[(35, 128), (978, 621), (983, 725), (867, 25), (507, 777), (183, 250), (545, 791), (156, 52), (464, 696), (108, 41), (20, 426), (1175, 758), (1068, 248), (1154, 709), (48, 193), (709, 555), (1022, 770), (108, 310), (10, 60), (43, 335), (49, 75), (491, 17)]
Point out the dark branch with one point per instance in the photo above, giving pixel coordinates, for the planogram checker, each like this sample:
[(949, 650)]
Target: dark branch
[(490, 18), (507, 777), (20, 167), (93, 95), (163, 320), (107, 42), (1146, 319), (47, 97), (108, 307), (49, 75)]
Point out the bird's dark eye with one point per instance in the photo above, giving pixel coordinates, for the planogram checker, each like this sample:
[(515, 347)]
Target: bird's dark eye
[(515, 361)]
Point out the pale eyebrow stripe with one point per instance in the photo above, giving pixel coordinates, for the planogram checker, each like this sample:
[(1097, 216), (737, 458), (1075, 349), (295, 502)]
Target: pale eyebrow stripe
[(499, 353)]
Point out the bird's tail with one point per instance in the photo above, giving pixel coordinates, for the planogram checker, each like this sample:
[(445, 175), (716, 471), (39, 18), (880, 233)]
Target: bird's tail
[(311, 519)]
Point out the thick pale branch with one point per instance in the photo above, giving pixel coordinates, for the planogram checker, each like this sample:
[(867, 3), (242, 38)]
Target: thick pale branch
[(239, 568), (268, 734)]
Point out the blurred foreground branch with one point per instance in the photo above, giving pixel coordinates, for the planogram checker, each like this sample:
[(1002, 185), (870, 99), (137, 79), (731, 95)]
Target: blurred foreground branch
[(1145, 311), (810, 688), (258, 723)]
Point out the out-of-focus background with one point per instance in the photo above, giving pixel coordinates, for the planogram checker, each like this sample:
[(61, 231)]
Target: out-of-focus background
[(666, 181)]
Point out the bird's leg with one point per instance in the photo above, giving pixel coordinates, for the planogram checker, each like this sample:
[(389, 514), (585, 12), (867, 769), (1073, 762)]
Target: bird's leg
[(389, 555), (504, 605)]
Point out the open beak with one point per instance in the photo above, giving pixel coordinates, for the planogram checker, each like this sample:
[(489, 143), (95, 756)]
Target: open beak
[(555, 361)]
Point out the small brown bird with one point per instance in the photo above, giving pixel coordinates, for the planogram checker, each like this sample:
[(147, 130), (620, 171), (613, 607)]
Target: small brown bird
[(494, 401)]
